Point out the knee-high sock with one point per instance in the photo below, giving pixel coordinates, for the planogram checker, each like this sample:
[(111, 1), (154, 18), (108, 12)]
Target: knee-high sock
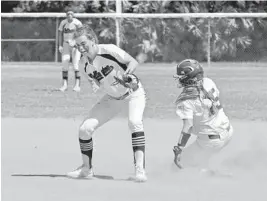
[(138, 143), (87, 149)]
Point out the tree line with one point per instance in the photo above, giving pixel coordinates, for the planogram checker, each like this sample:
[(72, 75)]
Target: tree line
[(160, 40)]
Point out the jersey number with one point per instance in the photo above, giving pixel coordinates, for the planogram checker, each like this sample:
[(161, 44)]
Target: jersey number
[(216, 105)]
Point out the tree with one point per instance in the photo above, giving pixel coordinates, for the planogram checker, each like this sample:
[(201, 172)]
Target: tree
[(180, 38), (162, 39)]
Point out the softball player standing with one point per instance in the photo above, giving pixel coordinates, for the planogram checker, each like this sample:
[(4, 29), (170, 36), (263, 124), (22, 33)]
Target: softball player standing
[(110, 68), (67, 28)]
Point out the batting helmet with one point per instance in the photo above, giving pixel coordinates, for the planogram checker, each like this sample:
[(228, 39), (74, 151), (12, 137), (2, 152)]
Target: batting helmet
[(189, 72)]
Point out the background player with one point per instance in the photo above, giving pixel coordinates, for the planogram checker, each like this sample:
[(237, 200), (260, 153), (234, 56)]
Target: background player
[(199, 107), (110, 68), (67, 28)]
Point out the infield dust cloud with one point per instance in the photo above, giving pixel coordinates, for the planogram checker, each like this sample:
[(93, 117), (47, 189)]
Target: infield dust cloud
[(245, 158)]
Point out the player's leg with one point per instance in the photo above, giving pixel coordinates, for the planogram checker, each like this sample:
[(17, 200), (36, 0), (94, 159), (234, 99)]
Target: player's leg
[(136, 109), (76, 55), (101, 112), (65, 67), (221, 153)]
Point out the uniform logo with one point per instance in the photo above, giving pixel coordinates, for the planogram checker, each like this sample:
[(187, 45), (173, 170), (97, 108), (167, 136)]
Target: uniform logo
[(67, 30), (191, 68), (96, 75), (107, 70)]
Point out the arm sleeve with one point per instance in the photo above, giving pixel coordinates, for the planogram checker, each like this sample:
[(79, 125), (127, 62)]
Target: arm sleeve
[(78, 23), (185, 110), (211, 87), (61, 25), (120, 54)]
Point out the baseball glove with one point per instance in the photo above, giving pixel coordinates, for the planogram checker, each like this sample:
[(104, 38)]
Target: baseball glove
[(128, 81)]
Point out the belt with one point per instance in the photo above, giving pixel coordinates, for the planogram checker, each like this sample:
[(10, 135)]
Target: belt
[(214, 137), (126, 94)]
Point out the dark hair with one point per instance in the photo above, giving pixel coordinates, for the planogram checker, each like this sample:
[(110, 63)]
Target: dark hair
[(87, 31)]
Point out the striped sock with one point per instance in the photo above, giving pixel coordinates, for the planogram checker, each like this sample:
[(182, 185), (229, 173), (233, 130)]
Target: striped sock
[(77, 75), (65, 75), (87, 149), (138, 143)]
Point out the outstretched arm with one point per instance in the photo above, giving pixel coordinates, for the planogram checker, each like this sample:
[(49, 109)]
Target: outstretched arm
[(185, 133), (185, 112), (183, 139)]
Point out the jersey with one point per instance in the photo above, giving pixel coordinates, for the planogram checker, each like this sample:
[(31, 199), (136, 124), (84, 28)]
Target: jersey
[(205, 122), (69, 28), (110, 61)]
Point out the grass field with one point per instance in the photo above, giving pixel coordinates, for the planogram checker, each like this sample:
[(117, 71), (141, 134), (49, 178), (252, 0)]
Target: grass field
[(39, 139)]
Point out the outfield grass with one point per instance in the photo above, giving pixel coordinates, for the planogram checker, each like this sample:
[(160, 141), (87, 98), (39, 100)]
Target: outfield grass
[(28, 91)]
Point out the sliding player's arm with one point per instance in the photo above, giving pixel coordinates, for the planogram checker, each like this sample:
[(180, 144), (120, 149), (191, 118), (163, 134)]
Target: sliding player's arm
[(185, 112)]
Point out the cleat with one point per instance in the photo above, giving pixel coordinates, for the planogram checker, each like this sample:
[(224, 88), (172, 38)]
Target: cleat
[(63, 88), (77, 89), (81, 172), (140, 174)]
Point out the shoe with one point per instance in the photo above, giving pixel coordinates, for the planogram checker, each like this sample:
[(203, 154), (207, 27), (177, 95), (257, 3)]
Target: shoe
[(63, 88), (140, 174), (81, 172), (77, 89)]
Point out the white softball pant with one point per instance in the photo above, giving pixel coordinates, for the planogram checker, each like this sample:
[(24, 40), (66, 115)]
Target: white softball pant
[(70, 52), (200, 152), (108, 107)]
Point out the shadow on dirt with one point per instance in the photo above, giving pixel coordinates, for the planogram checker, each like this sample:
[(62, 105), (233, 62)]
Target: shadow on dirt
[(105, 177)]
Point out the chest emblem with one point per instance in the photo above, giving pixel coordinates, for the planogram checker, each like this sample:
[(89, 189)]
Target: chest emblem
[(107, 70), (67, 30)]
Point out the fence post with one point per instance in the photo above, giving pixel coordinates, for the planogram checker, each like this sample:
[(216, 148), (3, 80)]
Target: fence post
[(209, 46), (118, 20), (56, 48)]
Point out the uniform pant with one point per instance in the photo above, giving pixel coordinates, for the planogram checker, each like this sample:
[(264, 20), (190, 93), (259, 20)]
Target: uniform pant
[(204, 151), (68, 53), (108, 107)]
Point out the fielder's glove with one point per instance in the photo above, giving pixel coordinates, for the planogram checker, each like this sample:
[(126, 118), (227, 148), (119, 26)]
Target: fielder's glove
[(177, 156), (128, 81)]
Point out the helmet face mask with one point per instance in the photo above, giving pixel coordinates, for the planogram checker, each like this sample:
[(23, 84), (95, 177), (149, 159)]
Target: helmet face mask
[(178, 80), (188, 73)]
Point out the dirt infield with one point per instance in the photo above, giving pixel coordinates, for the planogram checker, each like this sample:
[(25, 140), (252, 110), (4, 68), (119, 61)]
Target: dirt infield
[(42, 150), (39, 140)]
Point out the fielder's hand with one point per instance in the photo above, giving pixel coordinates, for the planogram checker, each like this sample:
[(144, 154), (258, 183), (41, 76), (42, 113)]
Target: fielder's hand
[(128, 81), (177, 156), (60, 49)]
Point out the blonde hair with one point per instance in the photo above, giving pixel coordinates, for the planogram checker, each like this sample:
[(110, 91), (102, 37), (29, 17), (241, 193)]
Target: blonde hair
[(86, 31)]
